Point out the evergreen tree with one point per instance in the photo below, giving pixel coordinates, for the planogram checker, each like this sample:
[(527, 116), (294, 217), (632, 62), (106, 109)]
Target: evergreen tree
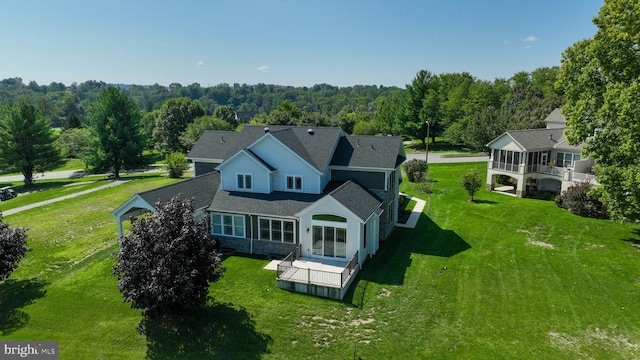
[(115, 122), (27, 141)]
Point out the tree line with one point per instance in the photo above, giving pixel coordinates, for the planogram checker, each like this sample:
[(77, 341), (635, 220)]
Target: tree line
[(459, 108)]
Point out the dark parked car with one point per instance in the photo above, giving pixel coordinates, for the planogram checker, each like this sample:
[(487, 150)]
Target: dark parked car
[(7, 193)]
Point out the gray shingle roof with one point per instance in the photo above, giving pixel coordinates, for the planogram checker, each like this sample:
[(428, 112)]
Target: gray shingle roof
[(313, 144), (357, 199), (369, 152), (219, 145), (555, 119), (538, 139), (275, 204), (314, 147), (287, 204), (203, 188)]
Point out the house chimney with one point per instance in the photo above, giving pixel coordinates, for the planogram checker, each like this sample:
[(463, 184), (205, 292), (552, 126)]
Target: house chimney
[(310, 131), (266, 129), (372, 148), (221, 138), (550, 136)]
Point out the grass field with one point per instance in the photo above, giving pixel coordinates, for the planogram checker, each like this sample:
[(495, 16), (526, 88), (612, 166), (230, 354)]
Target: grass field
[(502, 278)]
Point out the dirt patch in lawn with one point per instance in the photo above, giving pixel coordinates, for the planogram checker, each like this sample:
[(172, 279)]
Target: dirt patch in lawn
[(531, 239), (595, 339)]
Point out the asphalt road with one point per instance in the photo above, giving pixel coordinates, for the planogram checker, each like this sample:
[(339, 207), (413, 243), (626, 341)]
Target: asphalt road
[(434, 158), (438, 158), (71, 174)]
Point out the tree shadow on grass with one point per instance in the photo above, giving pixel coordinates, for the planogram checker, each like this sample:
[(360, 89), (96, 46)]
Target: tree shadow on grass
[(390, 264), (216, 331), (490, 202), (15, 295), (635, 242)]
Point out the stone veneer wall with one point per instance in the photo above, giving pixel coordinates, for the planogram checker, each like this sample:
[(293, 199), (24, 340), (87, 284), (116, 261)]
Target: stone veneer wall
[(259, 246)]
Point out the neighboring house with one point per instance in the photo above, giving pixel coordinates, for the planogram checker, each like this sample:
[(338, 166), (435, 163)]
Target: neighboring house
[(316, 196), (538, 159)]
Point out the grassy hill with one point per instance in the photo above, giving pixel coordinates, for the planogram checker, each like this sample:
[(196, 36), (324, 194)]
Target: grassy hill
[(500, 278)]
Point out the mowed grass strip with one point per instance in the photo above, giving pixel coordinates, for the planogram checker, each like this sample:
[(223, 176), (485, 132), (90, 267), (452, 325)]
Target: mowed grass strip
[(499, 278)]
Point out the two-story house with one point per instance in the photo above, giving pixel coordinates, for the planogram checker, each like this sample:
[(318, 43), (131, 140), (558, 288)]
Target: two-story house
[(316, 196), (538, 159)]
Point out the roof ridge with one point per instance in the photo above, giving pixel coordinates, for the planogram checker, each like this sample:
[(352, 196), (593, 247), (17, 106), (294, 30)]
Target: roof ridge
[(179, 182)]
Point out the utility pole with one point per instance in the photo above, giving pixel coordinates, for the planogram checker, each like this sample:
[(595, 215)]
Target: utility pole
[(426, 145)]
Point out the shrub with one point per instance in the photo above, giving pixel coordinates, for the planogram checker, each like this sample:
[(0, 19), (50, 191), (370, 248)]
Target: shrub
[(13, 247), (168, 260), (472, 182), (580, 200), (176, 164), (416, 170)]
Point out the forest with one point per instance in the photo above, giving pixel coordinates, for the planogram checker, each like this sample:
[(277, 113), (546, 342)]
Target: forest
[(460, 108)]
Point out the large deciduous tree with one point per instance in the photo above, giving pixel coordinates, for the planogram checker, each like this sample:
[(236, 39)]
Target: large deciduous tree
[(115, 123), (601, 80), (422, 104), (13, 247), (27, 141), (194, 130), (175, 115), (167, 261)]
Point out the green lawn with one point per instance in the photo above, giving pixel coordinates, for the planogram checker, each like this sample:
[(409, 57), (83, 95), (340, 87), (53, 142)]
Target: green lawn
[(500, 278)]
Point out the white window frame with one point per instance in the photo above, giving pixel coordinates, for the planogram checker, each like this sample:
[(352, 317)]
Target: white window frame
[(324, 226), (282, 229), (242, 185), (295, 180), (237, 221)]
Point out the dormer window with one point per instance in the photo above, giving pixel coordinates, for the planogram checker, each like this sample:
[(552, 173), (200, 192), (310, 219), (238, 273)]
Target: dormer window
[(294, 183), (245, 181)]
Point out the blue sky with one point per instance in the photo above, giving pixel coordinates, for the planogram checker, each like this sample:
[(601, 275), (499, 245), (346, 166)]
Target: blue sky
[(284, 42)]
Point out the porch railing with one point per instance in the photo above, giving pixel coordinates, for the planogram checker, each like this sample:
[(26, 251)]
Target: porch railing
[(350, 267), (511, 167), (288, 272)]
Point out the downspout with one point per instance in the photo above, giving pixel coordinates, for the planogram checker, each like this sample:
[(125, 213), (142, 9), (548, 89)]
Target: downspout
[(251, 231)]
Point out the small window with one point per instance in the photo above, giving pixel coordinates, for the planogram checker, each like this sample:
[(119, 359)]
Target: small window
[(245, 181), (294, 183)]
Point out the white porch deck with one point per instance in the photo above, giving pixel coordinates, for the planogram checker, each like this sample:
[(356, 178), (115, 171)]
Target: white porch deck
[(314, 271)]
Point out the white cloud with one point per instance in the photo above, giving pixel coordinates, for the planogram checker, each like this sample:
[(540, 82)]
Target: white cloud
[(530, 39), (200, 64), (263, 68)]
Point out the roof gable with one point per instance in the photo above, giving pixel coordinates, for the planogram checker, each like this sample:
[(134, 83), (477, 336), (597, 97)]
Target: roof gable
[(248, 154), (314, 145), (534, 139), (357, 199)]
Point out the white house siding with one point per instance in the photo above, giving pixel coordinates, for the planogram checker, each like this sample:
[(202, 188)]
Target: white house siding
[(328, 205), (244, 164), (372, 243), (287, 164)]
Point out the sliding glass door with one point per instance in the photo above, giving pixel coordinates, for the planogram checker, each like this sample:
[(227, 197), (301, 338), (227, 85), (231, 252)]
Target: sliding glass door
[(329, 241)]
